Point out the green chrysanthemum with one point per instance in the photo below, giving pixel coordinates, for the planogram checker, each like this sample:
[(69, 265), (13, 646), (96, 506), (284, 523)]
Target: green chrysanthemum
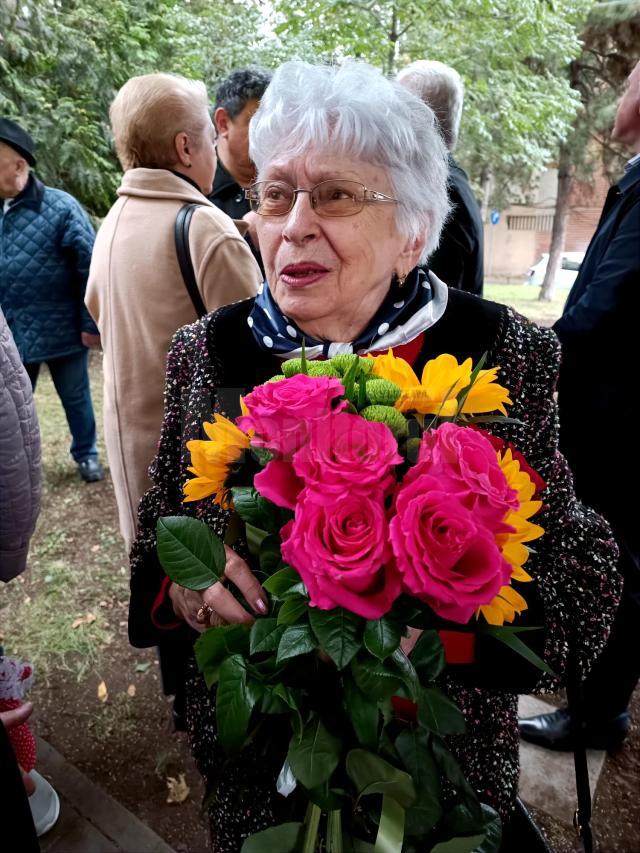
[(291, 367), (277, 378), (394, 419), (343, 362), (322, 368), (382, 392)]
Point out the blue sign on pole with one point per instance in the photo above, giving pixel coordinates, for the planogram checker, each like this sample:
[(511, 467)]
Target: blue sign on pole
[(494, 217)]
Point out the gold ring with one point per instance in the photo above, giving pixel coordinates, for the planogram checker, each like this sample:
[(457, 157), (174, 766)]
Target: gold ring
[(204, 614)]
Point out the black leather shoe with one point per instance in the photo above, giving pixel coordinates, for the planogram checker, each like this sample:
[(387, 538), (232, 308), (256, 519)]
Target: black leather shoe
[(553, 731), (91, 470)]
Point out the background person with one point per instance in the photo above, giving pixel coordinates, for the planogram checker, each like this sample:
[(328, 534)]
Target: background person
[(458, 260), (344, 271), (598, 332), (45, 250), (20, 483), (237, 99), (166, 145)]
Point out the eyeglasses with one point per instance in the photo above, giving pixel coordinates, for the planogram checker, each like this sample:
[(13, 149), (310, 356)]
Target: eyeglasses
[(328, 198)]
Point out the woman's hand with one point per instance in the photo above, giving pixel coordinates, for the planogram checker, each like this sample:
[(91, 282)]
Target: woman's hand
[(225, 609), (407, 643)]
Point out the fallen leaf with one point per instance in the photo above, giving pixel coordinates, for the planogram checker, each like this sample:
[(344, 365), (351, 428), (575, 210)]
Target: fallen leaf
[(87, 619), (142, 667), (131, 690), (95, 548), (178, 790), (103, 694)]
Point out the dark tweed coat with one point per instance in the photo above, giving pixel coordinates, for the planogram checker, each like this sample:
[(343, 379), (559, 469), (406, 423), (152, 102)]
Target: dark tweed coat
[(576, 585)]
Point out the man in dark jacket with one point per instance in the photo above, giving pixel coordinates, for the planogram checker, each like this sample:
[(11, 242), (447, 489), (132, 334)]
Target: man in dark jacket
[(46, 241), (237, 99), (597, 393), (459, 258)]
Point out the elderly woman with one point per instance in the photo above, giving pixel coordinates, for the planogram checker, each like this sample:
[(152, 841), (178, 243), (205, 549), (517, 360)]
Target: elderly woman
[(351, 197), (136, 293)]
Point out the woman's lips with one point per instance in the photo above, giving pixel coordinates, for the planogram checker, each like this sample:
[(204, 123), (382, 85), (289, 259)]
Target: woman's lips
[(303, 274)]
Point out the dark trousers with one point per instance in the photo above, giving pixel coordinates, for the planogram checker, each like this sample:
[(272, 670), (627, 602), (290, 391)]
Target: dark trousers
[(71, 380), (615, 674)]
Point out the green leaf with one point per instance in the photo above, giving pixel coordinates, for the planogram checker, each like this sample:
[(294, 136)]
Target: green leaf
[(452, 770), (406, 672), (214, 645), (142, 667), (413, 748), (337, 632), (371, 774), (255, 537), (296, 640), (292, 610), (439, 714), (269, 555), (189, 552), (382, 637), (285, 583), (391, 829), (493, 831), (314, 755), (285, 838), (363, 713), (265, 635), (427, 656), (254, 509), (376, 679), (234, 703), (466, 844), (508, 636)]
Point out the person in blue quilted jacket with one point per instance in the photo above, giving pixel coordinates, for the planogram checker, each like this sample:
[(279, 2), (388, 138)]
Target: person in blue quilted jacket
[(46, 240)]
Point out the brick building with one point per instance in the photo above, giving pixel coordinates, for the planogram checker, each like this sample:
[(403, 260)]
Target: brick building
[(524, 233)]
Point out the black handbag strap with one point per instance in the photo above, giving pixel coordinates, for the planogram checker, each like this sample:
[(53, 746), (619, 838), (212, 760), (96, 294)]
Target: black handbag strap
[(183, 221), (582, 816)]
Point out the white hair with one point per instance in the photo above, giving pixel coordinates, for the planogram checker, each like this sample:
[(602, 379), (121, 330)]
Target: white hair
[(353, 109), (441, 87)]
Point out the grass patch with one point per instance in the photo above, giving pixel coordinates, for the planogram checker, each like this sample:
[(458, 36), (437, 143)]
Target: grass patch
[(524, 299)]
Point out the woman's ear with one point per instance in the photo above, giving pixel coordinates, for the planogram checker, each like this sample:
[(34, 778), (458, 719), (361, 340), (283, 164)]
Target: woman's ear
[(182, 146), (409, 257)]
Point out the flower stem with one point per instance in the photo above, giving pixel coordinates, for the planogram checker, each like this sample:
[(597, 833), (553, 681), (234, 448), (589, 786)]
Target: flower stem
[(312, 822)]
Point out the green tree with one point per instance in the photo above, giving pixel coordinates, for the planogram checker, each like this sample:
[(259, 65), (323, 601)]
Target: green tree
[(510, 53), (62, 61)]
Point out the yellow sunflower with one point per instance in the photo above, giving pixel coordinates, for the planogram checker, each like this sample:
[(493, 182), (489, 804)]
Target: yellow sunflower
[(508, 603), (211, 461), (442, 380)]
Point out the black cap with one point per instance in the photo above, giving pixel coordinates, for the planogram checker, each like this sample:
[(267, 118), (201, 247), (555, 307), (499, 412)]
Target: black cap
[(18, 139)]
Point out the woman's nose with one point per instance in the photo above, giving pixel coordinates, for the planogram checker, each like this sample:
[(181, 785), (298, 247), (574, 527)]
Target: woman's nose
[(302, 220)]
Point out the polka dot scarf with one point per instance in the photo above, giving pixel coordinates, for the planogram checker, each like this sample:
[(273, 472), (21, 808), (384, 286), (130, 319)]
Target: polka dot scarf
[(405, 313)]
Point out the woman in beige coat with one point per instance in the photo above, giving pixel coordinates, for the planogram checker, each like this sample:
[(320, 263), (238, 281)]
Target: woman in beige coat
[(136, 293)]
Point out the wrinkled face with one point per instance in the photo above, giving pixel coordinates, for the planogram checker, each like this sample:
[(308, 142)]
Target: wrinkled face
[(204, 160), (627, 125), (14, 172), (330, 275), (233, 142)]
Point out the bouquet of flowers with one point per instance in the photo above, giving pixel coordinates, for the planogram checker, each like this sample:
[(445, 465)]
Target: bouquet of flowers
[(374, 508)]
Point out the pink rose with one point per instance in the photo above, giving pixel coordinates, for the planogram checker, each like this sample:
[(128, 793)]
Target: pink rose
[(278, 483), (342, 552), (467, 457), (448, 558), (281, 413), (348, 452)]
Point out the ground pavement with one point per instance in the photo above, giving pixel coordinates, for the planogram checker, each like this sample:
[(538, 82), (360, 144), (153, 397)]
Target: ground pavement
[(90, 820)]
